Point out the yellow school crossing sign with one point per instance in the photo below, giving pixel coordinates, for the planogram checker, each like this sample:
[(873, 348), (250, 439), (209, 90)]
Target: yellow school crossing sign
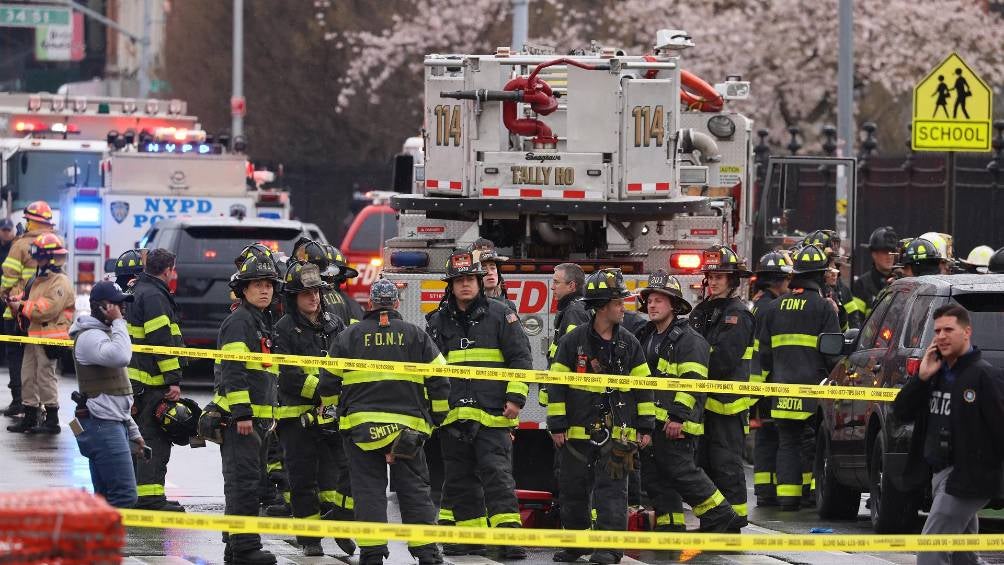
[(952, 109)]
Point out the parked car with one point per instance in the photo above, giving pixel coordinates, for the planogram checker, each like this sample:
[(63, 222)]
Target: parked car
[(363, 245), (861, 447)]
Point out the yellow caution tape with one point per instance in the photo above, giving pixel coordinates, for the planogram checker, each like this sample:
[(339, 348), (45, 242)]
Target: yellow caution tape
[(419, 534), (498, 374)]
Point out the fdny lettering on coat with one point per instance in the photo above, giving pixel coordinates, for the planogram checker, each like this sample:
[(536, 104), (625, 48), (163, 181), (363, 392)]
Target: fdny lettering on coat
[(382, 339), (793, 303)]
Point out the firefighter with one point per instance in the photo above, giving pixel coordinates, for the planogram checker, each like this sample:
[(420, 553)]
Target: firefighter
[(472, 330), (385, 418), (922, 257), (567, 283), (773, 273), (978, 260), (726, 322), (669, 469), (598, 431), (18, 267), (153, 320), (789, 330), (315, 462), (851, 314), (128, 266), (245, 392), (996, 263), (493, 282), (883, 245), (335, 275), (47, 313)]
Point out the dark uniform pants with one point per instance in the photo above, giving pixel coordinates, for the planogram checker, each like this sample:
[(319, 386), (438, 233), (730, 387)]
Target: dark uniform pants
[(794, 456), (276, 480), (664, 499), (150, 474), (318, 472), (678, 476), (243, 469), (15, 356), (368, 472), (584, 484), (765, 463), (477, 468), (721, 456)]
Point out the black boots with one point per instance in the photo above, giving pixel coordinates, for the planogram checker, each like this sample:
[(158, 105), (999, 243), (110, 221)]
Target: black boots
[(27, 423), (50, 425), (15, 408)]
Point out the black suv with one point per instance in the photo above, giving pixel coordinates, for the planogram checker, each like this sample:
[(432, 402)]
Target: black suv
[(206, 248), (861, 447)]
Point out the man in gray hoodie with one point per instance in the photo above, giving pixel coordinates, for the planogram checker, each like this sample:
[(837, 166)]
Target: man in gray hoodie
[(106, 433)]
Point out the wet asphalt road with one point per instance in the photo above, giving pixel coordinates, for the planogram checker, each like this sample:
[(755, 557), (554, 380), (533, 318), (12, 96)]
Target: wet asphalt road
[(194, 478)]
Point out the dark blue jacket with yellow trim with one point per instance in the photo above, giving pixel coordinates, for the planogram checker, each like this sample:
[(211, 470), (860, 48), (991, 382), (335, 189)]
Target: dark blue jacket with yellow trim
[(152, 319)]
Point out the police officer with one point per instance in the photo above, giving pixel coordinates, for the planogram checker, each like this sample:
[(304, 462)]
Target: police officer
[(128, 266), (245, 392), (726, 322), (773, 273), (493, 282), (153, 320), (472, 330), (385, 418), (883, 245), (669, 469), (18, 267), (789, 330), (921, 257), (337, 273), (315, 462), (598, 431), (851, 314)]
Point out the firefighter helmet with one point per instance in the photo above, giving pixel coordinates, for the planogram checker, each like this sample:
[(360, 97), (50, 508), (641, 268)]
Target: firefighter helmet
[(722, 259), (39, 211), (920, 251), (383, 293), (603, 286), (309, 251), (255, 268), (979, 258), (774, 262), (487, 250), (884, 239), (827, 240), (462, 263), (810, 259), (941, 241), (996, 264), (302, 276), (47, 246), (130, 262), (259, 250), (178, 419), (337, 260), (663, 283)]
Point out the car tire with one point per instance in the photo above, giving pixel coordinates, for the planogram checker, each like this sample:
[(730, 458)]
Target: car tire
[(892, 510), (834, 501)]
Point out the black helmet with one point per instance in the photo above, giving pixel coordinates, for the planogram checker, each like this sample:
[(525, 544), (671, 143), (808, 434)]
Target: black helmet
[(722, 259), (603, 286), (302, 276), (884, 239), (663, 283), (774, 262), (130, 263), (996, 264), (810, 259), (337, 267), (258, 250), (827, 240), (255, 268), (309, 251), (383, 293), (920, 251), (487, 250), (179, 419), (462, 263)]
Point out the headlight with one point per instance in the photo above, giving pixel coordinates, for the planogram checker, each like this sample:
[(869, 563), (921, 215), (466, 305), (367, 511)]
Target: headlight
[(721, 126)]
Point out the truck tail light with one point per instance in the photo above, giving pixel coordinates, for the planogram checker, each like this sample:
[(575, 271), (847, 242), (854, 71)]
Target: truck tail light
[(85, 271), (686, 261), (913, 366), (86, 243)]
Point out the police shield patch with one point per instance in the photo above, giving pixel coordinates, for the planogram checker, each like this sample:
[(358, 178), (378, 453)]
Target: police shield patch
[(119, 210)]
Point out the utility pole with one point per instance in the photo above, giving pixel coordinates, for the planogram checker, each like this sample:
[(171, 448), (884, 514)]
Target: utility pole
[(520, 23), (237, 124), (845, 114)]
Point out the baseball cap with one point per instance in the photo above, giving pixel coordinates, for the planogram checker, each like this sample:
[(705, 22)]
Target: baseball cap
[(111, 292), (6, 224)]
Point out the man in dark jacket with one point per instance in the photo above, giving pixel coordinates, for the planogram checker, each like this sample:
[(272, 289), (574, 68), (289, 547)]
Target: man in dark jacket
[(957, 403), (566, 287), (472, 330), (883, 245), (153, 320), (598, 430)]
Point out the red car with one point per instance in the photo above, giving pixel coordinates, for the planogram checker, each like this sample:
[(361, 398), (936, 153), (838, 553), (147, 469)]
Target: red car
[(363, 246)]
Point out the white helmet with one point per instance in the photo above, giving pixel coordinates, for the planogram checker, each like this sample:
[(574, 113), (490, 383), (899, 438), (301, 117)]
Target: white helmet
[(942, 242), (979, 258)]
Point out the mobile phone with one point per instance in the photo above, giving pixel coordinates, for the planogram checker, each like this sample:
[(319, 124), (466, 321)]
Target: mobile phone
[(147, 452)]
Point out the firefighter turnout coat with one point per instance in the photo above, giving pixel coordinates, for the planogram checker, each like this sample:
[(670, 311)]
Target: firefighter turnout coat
[(246, 389), (18, 267), (50, 306), (152, 319), (296, 335), (727, 324), (682, 353)]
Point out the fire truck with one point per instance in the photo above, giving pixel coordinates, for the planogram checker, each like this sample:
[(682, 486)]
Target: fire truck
[(599, 158)]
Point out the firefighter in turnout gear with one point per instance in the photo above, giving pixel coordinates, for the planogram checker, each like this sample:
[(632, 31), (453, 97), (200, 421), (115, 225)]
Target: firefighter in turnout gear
[(789, 330), (310, 251), (47, 312), (726, 322), (314, 458), (566, 285), (883, 245), (153, 320), (669, 469), (773, 273), (337, 272), (493, 282), (385, 418), (18, 267), (597, 430), (245, 393), (851, 314), (128, 266), (472, 330), (921, 257)]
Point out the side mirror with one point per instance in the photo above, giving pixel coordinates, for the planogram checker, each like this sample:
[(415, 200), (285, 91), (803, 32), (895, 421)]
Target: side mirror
[(838, 344)]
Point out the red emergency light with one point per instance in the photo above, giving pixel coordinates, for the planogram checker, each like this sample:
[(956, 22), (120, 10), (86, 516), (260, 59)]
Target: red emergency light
[(86, 243), (686, 261), (58, 127)]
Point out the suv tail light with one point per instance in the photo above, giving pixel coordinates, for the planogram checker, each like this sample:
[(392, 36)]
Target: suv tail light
[(913, 366), (686, 261)]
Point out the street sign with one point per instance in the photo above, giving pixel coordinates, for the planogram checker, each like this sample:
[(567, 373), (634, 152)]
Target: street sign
[(21, 15), (952, 109)]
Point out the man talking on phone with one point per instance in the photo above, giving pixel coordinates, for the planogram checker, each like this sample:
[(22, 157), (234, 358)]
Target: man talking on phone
[(957, 403), (104, 428)]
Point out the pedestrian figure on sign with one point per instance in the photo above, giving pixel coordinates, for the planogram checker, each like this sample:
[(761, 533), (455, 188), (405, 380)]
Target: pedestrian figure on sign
[(943, 93), (961, 93)]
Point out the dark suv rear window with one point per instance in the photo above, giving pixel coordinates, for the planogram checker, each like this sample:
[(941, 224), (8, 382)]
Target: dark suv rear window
[(221, 244), (986, 311)]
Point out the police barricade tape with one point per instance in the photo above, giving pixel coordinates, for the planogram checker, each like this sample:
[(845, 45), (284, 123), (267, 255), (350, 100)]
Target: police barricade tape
[(499, 374), (419, 534)]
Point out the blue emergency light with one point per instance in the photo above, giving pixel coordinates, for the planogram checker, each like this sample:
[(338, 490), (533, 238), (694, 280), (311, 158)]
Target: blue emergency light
[(86, 213), (184, 148)]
